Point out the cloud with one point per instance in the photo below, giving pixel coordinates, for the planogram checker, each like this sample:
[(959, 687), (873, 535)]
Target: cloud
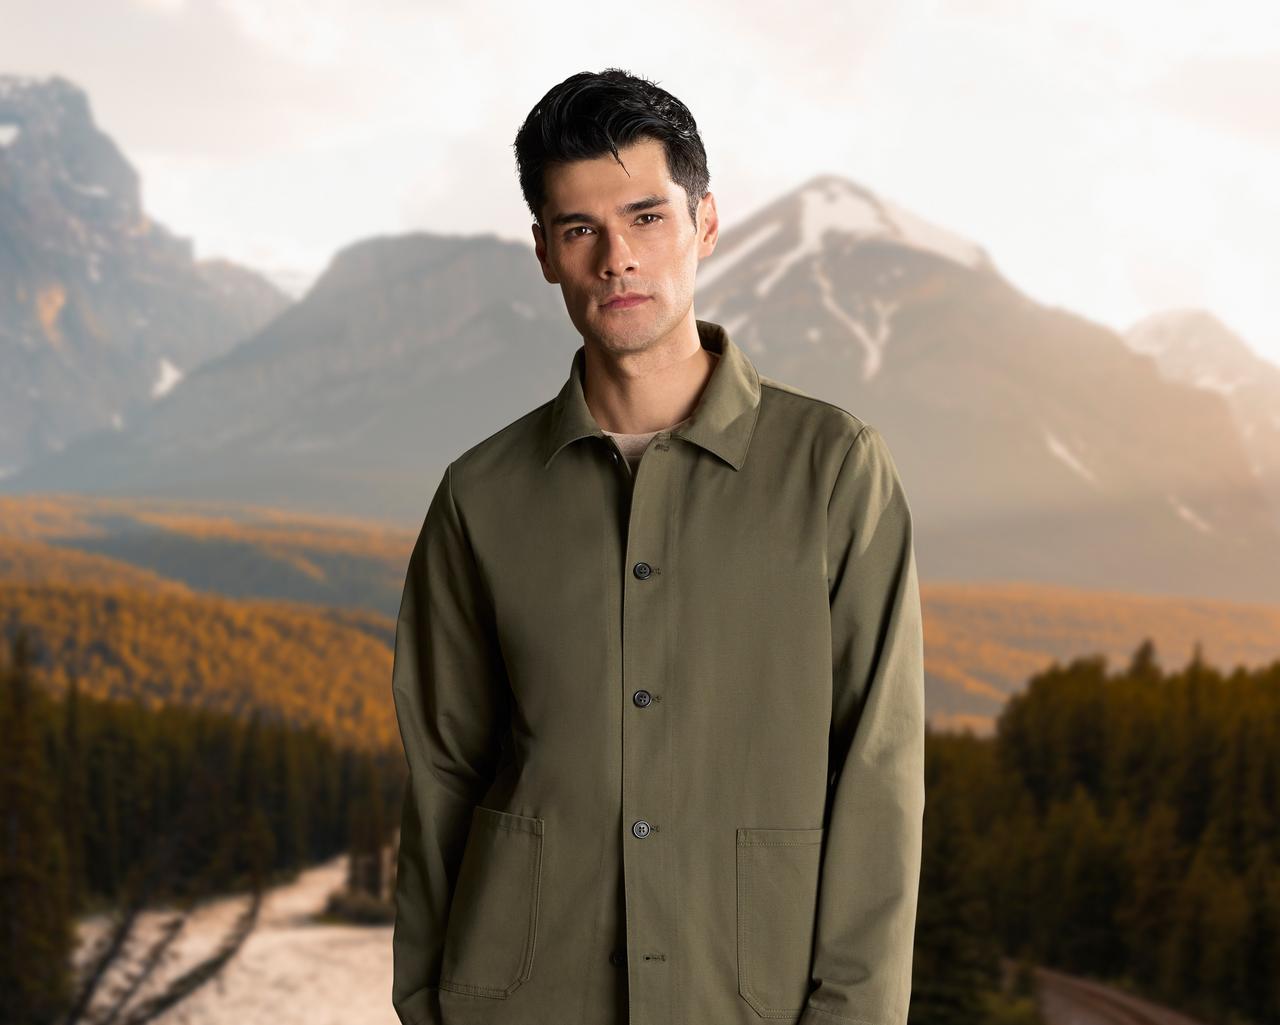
[(303, 31), (1239, 94)]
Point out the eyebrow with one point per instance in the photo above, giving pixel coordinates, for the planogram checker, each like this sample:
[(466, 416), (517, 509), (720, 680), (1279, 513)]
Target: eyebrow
[(647, 203)]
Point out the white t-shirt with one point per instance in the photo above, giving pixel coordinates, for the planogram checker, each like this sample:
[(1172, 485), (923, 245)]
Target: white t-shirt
[(633, 445)]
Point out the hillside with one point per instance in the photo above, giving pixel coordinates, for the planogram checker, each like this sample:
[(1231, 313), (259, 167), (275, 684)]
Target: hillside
[(299, 663), (984, 641), (216, 547)]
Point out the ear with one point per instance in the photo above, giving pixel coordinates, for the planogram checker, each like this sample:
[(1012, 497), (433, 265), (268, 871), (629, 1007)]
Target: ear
[(709, 220), (540, 250)]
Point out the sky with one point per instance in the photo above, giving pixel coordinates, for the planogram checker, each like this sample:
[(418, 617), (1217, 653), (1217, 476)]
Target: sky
[(1116, 159)]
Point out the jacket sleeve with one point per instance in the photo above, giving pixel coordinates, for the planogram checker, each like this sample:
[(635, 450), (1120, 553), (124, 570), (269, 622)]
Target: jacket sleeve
[(449, 686), (865, 929)]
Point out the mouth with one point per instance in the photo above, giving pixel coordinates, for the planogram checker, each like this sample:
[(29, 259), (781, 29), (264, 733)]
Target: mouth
[(625, 302)]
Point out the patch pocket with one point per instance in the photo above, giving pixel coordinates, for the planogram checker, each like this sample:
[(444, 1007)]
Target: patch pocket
[(778, 872), (492, 926)]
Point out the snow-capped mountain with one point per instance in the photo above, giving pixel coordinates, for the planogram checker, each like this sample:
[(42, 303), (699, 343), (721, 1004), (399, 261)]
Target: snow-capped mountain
[(1035, 443), (791, 236), (101, 308), (1196, 348)]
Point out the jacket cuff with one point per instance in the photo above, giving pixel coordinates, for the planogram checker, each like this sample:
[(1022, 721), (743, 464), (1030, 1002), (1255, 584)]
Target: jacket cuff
[(420, 1008)]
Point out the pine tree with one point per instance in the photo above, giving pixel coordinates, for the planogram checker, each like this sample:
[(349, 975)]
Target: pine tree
[(955, 959), (36, 925), (74, 793), (368, 834)]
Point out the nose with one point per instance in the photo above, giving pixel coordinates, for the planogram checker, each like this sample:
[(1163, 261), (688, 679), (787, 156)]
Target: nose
[(616, 257)]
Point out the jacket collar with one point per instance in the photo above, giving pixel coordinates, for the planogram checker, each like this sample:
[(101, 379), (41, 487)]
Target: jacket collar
[(721, 423)]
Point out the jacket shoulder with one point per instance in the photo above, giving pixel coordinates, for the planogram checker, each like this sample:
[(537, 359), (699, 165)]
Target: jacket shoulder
[(516, 437), (827, 420), (487, 470)]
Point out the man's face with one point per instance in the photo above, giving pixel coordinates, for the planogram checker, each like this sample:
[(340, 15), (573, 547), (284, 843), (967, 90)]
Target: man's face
[(611, 230)]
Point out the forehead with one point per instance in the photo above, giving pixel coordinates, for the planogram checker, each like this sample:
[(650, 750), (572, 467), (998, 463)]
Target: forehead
[(603, 182)]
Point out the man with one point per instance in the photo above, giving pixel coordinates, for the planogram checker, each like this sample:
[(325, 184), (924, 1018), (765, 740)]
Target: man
[(664, 715)]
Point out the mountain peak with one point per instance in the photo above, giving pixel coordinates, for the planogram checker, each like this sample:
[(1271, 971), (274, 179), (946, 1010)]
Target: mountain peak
[(1153, 332), (1193, 345), (830, 215), (830, 202), (49, 144), (99, 304)]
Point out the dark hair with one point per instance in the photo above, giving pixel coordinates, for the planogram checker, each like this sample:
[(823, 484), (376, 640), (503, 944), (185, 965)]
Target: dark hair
[(593, 113)]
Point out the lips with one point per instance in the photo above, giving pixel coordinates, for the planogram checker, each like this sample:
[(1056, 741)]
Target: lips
[(625, 302)]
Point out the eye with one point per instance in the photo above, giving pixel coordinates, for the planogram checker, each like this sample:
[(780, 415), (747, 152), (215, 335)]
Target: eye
[(570, 233)]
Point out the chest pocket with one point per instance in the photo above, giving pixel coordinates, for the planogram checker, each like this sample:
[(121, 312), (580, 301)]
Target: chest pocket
[(492, 927), (778, 873)]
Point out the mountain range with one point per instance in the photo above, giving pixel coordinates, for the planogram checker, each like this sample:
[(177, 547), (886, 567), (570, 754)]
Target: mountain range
[(1034, 443)]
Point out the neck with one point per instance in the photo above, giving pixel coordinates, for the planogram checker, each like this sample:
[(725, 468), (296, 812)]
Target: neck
[(649, 390)]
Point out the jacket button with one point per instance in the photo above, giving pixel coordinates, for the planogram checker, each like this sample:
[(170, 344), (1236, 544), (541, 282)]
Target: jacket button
[(640, 828), (642, 570), (618, 957), (642, 698)]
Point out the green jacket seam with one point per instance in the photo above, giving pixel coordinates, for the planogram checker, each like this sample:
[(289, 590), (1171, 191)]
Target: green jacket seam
[(467, 540), (852, 444)]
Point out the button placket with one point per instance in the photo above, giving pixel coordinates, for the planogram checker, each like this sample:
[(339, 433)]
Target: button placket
[(646, 754)]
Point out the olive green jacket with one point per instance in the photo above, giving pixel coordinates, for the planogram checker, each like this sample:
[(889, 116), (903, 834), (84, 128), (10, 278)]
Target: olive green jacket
[(665, 732)]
